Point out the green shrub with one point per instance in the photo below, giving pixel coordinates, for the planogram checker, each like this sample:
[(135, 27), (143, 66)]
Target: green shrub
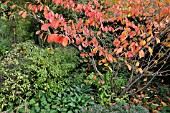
[(28, 69)]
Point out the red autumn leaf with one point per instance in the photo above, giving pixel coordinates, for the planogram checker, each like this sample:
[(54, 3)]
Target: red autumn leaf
[(35, 9), (29, 6), (82, 54), (44, 27), (77, 41), (141, 54), (65, 41), (132, 34), (55, 24), (58, 39), (50, 38), (5, 3), (13, 6), (95, 42), (130, 54), (24, 15)]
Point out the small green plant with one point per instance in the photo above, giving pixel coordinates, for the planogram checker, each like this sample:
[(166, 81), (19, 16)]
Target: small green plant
[(106, 86)]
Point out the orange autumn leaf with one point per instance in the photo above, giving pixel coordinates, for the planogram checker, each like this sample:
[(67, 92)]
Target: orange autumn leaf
[(94, 51), (142, 43), (41, 36), (141, 54), (65, 41), (109, 57)]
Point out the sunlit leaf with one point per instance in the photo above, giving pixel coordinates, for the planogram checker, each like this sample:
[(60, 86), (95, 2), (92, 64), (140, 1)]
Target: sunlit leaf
[(141, 54), (140, 70), (157, 40), (150, 50), (137, 64)]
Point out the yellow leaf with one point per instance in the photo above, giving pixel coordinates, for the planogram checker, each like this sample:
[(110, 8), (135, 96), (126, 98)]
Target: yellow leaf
[(106, 64), (142, 43), (140, 70), (157, 40), (110, 68), (141, 54), (150, 50), (85, 60), (102, 61), (137, 64), (145, 79)]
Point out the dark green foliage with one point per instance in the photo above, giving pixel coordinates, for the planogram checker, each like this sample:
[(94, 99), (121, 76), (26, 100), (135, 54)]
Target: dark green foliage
[(116, 108), (28, 69), (71, 100)]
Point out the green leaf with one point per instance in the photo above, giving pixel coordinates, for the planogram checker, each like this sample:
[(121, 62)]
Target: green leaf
[(69, 111), (72, 104), (37, 109), (32, 101)]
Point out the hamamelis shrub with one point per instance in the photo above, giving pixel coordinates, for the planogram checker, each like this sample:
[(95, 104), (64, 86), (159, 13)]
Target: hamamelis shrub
[(132, 33)]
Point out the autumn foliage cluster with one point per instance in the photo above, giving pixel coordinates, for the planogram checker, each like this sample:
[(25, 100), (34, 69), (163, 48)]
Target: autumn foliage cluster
[(109, 33)]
